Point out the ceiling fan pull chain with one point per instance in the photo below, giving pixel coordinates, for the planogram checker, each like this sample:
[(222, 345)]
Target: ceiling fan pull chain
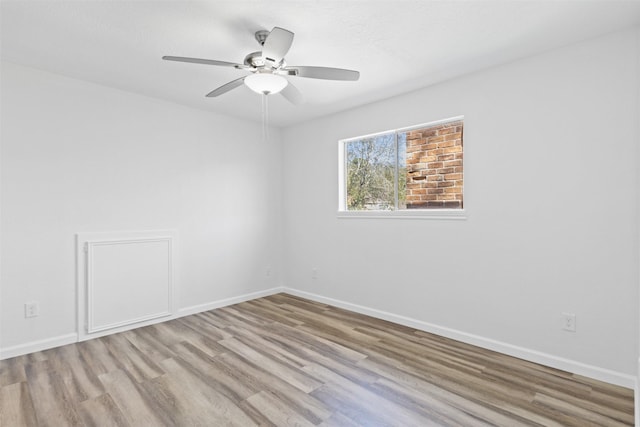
[(265, 118)]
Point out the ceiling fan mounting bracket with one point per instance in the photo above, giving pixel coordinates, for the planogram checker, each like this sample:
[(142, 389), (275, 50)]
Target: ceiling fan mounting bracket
[(261, 36)]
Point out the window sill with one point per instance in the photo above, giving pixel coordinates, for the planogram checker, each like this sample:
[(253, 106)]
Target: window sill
[(440, 214)]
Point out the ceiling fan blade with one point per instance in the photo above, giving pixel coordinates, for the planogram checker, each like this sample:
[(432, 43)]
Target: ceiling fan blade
[(277, 44), (292, 94), (205, 61), (325, 73), (226, 87)]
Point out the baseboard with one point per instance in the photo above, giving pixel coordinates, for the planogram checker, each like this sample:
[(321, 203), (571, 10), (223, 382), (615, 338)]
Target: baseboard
[(40, 345), (49, 343), (228, 301), (636, 396), (572, 366)]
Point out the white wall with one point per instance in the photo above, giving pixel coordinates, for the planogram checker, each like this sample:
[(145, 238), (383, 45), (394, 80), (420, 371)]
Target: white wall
[(78, 157), (551, 190)]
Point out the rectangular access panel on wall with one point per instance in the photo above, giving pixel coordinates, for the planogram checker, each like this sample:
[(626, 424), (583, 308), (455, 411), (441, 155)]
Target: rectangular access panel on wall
[(125, 280)]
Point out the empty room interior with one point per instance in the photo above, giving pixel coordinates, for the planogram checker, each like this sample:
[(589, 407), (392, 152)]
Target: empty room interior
[(319, 213)]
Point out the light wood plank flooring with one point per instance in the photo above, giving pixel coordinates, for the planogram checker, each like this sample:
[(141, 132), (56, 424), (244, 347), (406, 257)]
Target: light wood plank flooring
[(285, 361)]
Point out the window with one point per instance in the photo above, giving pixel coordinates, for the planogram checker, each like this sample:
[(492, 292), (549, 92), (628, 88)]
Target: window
[(417, 169)]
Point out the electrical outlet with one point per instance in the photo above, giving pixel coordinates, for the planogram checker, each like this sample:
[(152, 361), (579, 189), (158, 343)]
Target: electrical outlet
[(314, 273), (31, 309), (569, 322)]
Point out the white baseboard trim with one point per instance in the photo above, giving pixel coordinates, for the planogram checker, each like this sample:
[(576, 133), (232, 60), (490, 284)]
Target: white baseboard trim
[(636, 394), (572, 366), (32, 347), (40, 345), (228, 301)]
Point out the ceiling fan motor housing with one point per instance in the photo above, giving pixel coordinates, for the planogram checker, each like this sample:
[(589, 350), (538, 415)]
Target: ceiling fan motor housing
[(255, 60)]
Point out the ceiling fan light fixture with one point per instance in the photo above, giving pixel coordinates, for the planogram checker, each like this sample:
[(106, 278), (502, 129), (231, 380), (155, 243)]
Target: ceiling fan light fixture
[(265, 83)]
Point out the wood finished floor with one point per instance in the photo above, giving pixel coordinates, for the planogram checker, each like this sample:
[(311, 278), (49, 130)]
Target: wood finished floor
[(284, 361)]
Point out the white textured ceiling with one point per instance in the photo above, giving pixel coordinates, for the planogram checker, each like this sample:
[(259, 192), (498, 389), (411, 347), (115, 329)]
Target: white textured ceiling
[(398, 46)]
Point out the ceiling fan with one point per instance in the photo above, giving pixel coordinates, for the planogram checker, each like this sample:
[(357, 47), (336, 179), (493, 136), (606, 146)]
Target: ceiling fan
[(268, 68)]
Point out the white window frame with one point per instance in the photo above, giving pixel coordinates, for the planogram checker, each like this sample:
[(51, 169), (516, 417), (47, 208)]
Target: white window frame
[(454, 214)]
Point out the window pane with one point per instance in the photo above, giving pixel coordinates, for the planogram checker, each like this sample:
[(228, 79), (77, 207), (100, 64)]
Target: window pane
[(420, 168), (402, 171), (434, 175), (370, 173)]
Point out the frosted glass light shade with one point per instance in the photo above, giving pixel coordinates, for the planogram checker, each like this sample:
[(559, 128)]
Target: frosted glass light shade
[(265, 83)]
